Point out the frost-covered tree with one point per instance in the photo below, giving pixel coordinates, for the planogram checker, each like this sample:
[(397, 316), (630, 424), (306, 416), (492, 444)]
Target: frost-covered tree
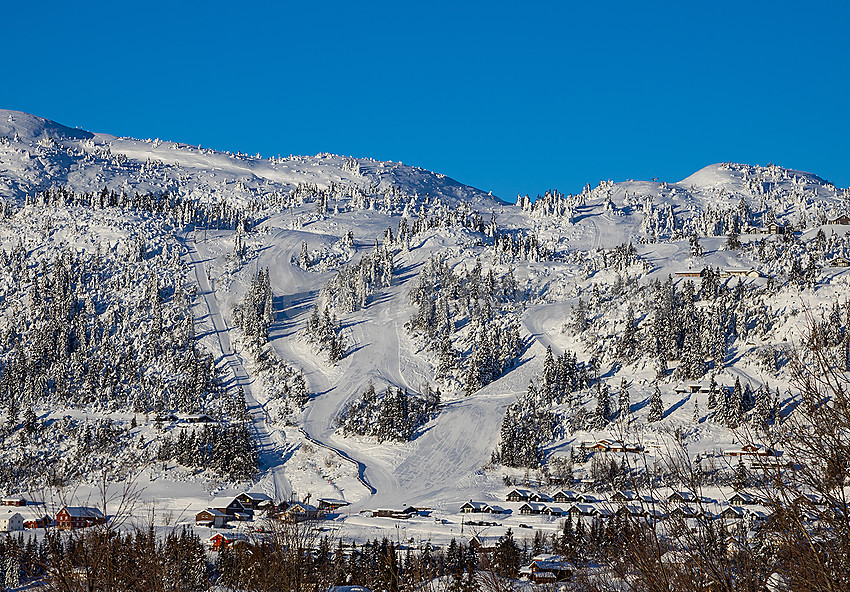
[(656, 406)]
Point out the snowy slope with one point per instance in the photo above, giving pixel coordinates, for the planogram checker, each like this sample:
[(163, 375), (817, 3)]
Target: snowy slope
[(302, 203), (39, 153)]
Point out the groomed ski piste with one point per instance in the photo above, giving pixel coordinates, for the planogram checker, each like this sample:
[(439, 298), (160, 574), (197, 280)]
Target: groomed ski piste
[(304, 456)]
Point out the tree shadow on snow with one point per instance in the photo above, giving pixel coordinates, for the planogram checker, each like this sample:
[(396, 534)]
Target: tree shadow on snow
[(676, 406)]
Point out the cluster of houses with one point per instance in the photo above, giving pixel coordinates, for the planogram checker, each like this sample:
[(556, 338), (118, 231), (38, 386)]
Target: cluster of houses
[(726, 273), (246, 506), (67, 518), (741, 505)]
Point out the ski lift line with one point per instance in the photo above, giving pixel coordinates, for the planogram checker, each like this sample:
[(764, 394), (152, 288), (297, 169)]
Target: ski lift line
[(235, 365)]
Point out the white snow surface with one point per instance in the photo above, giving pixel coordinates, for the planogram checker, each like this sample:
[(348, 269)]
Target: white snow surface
[(444, 465)]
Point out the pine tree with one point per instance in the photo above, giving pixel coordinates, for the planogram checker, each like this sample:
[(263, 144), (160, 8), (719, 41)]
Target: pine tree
[(603, 405), (628, 344), (656, 406), (739, 479), (625, 403)]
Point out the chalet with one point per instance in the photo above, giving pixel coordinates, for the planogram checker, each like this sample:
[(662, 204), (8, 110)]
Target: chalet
[(842, 219), (78, 517), (255, 501), (562, 496), (530, 508), (751, 450), (547, 568), (582, 510), (684, 511), (733, 513), (839, 262), (224, 540), (233, 508), (487, 540), (13, 500), (624, 496), (397, 514), (539, 497), (519, 495), (632, 510), (759, 514), (604, 512), (606, 445), (494, 509), (472, 507), (40, 522), (196, 418), (775, 228), (740, 513), (682, 497), (808, 499), (689, 274), (11, 521), (554, 511), (327, 504), (742, 498), (299, 512), (212, 518), (589, 498), (751, 273)]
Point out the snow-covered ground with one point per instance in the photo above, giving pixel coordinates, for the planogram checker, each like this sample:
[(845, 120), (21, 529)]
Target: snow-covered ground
[(280, 204)]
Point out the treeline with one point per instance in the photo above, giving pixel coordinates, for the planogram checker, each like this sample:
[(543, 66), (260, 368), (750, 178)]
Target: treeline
[(394, 415), (468, 319), (227, 450), (220, 215), (105, 559), (85, 336), (255, 312), (323, 331), (352, 286), (253, 315), (529, 422)]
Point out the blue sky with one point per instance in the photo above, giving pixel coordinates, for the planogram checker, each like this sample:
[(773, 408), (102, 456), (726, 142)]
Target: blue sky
[(508, 97)]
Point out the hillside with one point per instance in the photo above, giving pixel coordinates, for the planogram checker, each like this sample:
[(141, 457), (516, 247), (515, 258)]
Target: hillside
[(146, 278)]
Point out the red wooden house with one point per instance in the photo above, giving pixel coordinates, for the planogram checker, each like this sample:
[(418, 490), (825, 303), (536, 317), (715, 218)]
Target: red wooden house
[(78, 517)]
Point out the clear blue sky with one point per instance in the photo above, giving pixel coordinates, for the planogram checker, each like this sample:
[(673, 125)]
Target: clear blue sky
[(508, 97)]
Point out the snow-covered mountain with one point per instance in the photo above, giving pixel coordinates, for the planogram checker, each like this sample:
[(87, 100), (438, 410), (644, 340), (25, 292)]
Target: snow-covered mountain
[(39, 153), (127, 263)]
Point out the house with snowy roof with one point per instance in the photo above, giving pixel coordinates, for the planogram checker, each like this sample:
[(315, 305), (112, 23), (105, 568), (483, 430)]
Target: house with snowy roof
[(548, 568), (212, 518), (563, 496), (472, 507), (11, 521), (224, 540), (519, 495), (299, 512), (71, 517), (255, 501), (530, 508)]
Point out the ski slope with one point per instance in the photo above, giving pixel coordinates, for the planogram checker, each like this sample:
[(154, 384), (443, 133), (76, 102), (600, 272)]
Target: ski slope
[(444, 464)]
